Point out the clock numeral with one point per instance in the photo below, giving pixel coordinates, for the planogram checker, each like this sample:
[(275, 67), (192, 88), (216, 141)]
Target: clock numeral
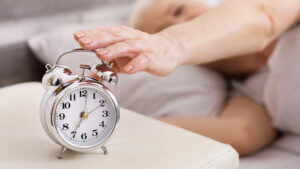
[(72, 97), (66, 105), (61, 116), (102, 124), (65, 126), (82, 93), (102, 103), (95, 133), (94, 95), (74, 133), (83, 136), (105, 113)]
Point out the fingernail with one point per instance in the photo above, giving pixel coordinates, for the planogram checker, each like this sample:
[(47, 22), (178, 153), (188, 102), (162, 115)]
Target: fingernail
[(103, 51), (85, 40), (79, 34), (128, 68)]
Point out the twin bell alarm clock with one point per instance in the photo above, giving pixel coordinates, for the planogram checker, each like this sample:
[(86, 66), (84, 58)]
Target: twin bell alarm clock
[(77, 111)]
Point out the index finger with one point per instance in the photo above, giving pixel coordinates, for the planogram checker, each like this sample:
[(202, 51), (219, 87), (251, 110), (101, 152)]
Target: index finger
[(97, 38)]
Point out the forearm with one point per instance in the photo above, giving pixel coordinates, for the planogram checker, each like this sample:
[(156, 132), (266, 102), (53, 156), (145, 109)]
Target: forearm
[(247, 130), (235, 28)]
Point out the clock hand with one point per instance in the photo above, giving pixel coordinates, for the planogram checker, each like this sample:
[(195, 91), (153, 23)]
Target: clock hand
[(86, 98), (83, 116), (93, 109), (78, 124), (96, 108)]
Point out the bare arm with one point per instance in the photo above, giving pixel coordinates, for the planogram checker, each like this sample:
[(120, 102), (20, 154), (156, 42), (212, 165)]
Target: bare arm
[(237, 27), (247, 130)]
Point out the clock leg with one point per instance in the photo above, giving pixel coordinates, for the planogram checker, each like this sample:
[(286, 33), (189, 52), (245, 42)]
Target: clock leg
[(61, 152), (104, 149)]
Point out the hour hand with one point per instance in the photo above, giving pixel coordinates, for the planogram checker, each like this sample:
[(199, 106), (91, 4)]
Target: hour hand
[(78, 125), (83, 116)]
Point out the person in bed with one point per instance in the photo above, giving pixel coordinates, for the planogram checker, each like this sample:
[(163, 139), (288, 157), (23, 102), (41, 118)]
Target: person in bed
[(180, 33)]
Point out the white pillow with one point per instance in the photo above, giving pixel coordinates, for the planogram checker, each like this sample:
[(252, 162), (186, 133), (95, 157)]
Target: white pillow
[(48, 45), (189, 91)]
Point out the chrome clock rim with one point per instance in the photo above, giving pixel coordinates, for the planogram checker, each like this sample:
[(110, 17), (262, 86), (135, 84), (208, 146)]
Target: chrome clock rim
[(54, 131)]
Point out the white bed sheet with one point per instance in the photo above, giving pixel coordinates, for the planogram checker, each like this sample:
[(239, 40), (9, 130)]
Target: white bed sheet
[(284, 154)]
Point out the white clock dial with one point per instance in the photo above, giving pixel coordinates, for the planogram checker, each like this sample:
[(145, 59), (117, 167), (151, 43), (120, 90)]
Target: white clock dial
[(85, 116)]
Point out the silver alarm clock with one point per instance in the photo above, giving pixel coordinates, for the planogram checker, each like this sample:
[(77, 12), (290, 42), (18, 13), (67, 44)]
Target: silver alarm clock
[(77, 111)]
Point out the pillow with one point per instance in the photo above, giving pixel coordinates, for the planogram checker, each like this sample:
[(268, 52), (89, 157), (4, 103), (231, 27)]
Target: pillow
[(49, 45), (189, 91), (282, 89)]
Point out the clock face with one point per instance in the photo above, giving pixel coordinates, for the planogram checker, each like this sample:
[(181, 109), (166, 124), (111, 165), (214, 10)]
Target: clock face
[(85, 116)]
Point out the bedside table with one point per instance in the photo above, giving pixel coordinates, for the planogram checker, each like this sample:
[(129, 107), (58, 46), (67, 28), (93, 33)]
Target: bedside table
[(140, 142)]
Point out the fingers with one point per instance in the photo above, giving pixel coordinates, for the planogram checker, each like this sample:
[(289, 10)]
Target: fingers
[(137, 64), (95, 39), (129, 48), (119, 63), (102, 37)]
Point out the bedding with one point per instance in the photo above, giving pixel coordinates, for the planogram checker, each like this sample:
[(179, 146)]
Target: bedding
[(277, 86), (189, 91), (282, 90), (48, 45), (271, 158), (284, 153)]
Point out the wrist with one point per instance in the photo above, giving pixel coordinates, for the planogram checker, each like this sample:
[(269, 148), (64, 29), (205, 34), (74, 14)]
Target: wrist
[(176, 48)]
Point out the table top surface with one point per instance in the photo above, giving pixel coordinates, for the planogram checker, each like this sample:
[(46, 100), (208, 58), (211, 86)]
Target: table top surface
[(139, 141)]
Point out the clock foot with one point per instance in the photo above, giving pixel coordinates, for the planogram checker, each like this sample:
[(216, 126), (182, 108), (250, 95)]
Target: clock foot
[(61, 152), (104, 149)]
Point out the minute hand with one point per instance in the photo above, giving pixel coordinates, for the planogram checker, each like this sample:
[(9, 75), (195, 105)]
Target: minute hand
[(95, 108)]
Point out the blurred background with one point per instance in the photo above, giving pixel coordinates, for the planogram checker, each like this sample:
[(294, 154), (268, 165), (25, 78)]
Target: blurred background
[(34, 32)]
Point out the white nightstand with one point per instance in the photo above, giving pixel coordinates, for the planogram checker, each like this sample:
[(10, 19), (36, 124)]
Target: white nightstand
[(139, 143)]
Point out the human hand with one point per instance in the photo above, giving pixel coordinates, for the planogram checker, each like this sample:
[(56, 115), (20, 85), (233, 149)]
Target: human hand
[(132, 50)]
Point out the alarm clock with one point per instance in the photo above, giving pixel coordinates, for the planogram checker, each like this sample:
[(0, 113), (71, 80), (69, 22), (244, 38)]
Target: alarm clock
[(78, 112)]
